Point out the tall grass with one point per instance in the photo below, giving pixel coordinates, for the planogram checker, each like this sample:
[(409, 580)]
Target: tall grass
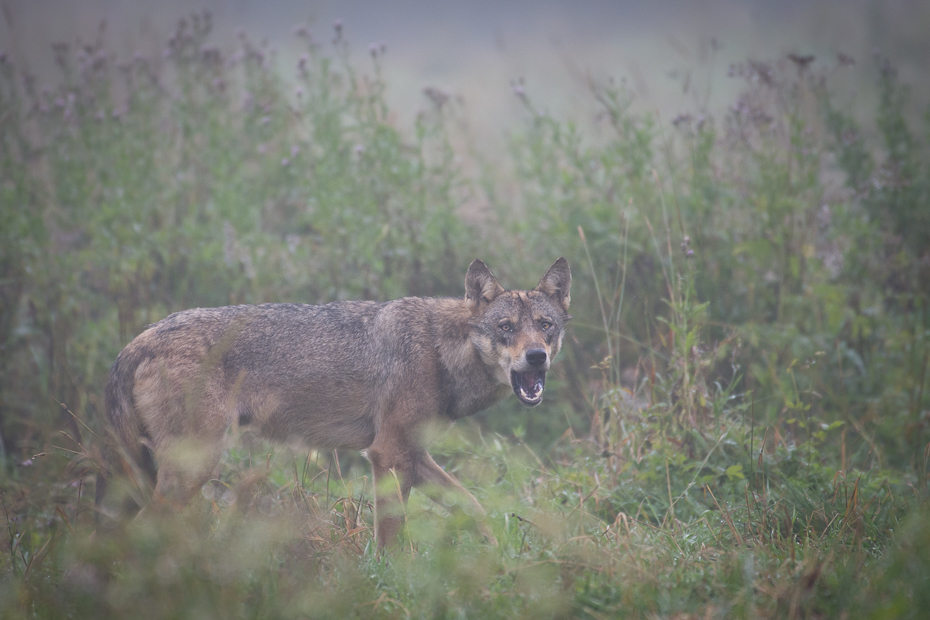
[(738, 427)]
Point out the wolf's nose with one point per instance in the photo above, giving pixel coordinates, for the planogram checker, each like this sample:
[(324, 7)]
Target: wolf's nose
[(536, 357)]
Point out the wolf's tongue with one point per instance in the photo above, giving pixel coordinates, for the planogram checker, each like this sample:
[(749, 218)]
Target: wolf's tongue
[(528, 383), (528, 386)]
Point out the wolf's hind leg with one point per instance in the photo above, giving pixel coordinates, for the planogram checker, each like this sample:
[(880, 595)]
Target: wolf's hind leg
[(183, 470)]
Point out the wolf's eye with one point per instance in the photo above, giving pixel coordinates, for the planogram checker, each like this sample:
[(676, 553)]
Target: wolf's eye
[(545, 325), (505, 327)]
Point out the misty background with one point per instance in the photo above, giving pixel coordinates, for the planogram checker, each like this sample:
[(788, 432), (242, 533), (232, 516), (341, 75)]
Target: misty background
[(674, 55), (739, 421)]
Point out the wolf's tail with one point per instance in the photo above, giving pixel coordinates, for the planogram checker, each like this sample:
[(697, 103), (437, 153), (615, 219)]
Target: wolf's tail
[(125, 450)]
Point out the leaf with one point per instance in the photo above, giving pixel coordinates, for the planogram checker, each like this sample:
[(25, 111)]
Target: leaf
[(735, 472), (856, 359)]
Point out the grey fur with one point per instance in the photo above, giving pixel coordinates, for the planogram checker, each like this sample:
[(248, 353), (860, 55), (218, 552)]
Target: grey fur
[(362, 375)]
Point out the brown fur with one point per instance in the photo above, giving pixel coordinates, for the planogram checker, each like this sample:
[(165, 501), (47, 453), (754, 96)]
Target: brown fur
[(362, 375)]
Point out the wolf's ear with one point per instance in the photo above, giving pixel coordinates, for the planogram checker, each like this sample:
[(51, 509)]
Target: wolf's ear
[(557, 283), (481, 286)]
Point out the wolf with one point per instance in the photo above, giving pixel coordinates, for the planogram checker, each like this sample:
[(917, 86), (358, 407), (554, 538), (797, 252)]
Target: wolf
[(363, 375)]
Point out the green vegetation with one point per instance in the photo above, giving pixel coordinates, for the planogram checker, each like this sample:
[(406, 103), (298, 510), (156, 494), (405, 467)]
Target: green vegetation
[(739, 427)]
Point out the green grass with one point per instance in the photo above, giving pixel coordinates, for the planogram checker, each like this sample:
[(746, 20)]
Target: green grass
[(738, 427), (285, 535)]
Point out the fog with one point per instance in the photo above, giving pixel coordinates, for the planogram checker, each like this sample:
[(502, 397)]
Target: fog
[(673, 55)]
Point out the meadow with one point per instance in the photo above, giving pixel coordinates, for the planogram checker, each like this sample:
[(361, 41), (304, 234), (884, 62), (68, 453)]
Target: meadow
[(739, 426)]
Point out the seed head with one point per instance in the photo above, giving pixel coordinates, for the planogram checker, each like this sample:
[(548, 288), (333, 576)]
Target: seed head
[(845, 60)]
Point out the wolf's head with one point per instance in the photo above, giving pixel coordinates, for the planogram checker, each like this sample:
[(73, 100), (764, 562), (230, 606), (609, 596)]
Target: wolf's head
[(519, 332)]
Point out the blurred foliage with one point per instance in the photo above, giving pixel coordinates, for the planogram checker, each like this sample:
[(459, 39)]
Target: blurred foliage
[(739, 425), (137, 189)]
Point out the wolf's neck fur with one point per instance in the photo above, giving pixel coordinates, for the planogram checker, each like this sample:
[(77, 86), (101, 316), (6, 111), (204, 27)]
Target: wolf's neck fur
[(470, 385)]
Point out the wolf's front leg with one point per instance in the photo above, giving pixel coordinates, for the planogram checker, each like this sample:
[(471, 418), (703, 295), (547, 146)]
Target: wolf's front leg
[(436, 482), (393, 476), (397, 471)]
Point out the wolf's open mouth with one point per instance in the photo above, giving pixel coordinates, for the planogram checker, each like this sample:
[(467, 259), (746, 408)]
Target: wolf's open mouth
[(528, 386)]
